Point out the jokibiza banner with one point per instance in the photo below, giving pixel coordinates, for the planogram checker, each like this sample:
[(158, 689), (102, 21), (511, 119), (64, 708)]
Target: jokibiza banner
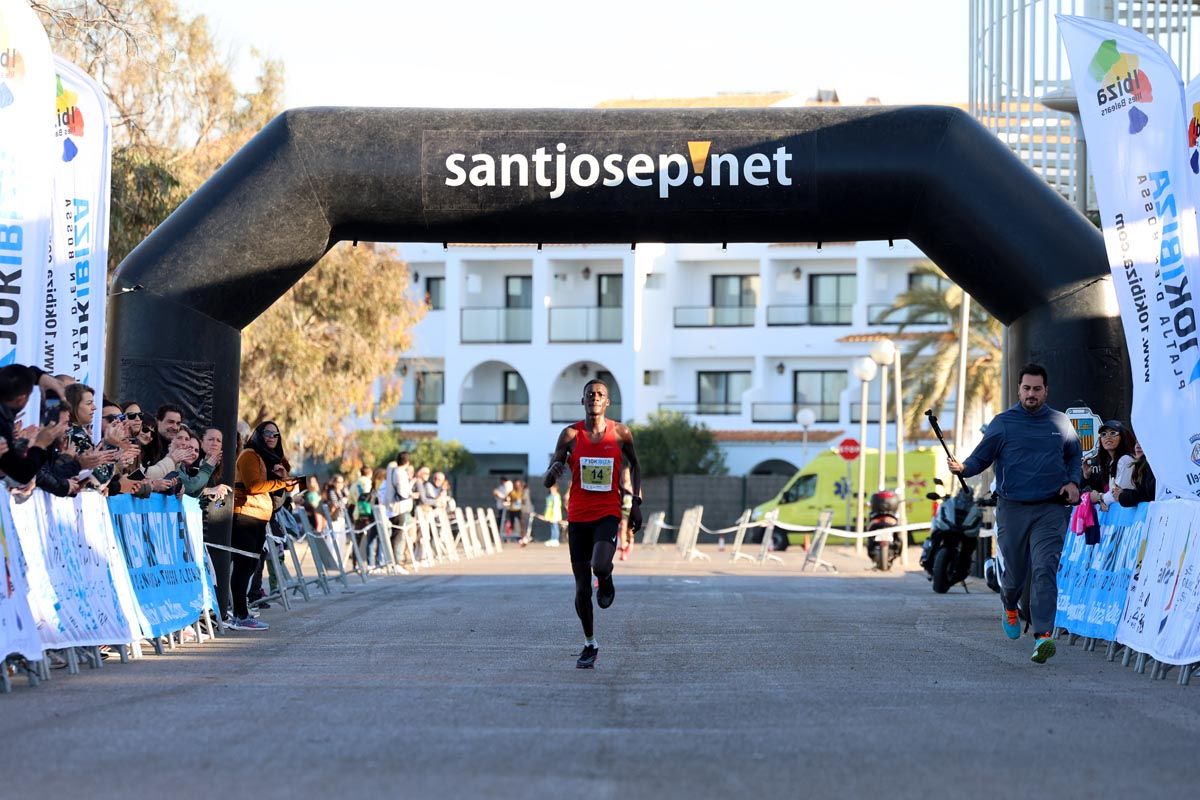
[(1131, 103), (75, 284), (18, 631), (164, 560), (26, 175)]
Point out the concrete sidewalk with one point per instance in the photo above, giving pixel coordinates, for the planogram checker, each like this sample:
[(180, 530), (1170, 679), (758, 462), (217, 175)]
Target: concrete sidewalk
[(714, 680)]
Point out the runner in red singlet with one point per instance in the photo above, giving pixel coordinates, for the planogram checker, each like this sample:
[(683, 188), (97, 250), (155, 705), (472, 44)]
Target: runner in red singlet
[(595, 451)]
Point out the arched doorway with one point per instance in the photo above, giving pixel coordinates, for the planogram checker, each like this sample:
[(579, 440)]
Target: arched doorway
[(494, 392)]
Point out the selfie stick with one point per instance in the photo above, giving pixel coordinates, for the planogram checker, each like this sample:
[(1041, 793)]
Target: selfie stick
[(937, 431)]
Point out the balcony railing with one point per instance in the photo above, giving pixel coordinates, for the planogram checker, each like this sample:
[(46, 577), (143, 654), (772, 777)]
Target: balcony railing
[(473, 413), (497, 325), (697, 409), (413, 413), (810, 315), (714, 316), (786, 412), (585, 324), (573, 412), (876, 312)]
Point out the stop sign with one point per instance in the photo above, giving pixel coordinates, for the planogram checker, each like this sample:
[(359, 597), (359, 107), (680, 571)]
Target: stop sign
[(849, 449)]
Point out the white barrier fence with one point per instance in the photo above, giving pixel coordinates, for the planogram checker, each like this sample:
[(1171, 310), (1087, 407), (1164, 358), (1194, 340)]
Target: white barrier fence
[(87, 573)]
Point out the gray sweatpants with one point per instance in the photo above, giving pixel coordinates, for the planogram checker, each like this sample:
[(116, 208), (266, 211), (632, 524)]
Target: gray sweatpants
[(1031, 539)]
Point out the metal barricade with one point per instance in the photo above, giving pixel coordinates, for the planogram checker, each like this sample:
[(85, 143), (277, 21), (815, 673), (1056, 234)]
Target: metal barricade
[(820, 536)]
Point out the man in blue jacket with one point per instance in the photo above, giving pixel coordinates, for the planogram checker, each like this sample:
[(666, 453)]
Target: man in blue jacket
[(1038, 472)]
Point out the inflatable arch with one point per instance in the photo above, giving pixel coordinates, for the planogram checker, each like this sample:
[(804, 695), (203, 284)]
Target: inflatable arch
[(314, 177)]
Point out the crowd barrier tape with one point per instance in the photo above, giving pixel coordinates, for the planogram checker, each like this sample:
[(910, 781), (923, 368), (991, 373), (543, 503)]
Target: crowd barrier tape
[(1139, 587)]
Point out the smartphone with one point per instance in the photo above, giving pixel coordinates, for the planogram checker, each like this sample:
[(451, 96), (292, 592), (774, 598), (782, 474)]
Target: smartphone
[(171, 476), (51, 409), (136, 475)]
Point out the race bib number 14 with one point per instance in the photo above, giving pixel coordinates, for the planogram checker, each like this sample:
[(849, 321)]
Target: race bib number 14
[(596, 474)]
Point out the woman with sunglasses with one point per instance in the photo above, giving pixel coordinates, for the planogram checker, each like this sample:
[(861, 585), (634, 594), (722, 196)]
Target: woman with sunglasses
[(1115, 463), (143, 433), (261, 469)]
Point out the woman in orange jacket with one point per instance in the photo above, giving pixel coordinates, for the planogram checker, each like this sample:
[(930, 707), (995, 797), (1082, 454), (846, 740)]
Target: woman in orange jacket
[(262, 469)]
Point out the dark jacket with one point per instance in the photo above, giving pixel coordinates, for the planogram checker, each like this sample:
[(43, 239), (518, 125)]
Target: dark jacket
[(1035, 454)]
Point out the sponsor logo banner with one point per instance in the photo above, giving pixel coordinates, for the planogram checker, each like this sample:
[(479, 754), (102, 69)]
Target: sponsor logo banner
[(18, 631), (26, 117), (1162, 608), (165, 565), (72, 573), (1131, 103), (1093, 580)]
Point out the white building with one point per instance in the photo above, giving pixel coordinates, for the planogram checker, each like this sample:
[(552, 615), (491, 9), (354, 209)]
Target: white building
[(739, 338)]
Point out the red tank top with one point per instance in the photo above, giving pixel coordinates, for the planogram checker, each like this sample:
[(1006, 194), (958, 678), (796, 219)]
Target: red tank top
[(595, 475)]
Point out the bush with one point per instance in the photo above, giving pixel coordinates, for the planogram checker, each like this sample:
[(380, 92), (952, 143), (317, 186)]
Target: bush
[(439, 456)]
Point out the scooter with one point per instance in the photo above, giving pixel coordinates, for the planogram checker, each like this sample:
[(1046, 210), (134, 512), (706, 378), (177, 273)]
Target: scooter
[(885, 548), (953, 534)]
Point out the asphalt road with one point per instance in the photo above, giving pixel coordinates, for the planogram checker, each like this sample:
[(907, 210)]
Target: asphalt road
[(713, 681)]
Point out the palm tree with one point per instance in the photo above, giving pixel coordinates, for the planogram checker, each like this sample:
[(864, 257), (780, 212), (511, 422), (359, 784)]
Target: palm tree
[(931, 360)]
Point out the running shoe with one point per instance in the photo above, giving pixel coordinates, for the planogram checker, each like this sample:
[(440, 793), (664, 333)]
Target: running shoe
[(606, 592), (1011, 623), (248, 624), (587, 659), (1043, 650)]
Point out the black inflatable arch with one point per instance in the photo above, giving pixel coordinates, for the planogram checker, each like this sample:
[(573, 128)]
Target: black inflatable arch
[(314, 177)]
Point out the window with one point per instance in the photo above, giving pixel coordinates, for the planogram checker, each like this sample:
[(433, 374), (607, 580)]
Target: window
[(831, 299), (819, 390), (804, 488), (518, 291), (435, 293), (925, 280), (654, 280), (608, 291), (721, 392), (516, 399), (431, 388), (431, 392), (734, 298), (652, 377)]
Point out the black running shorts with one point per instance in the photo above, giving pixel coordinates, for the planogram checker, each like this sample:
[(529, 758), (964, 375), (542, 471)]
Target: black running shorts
[(584, 536)]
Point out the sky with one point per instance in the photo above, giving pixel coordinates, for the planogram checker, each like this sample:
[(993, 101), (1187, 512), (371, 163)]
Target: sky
[(558, 53)]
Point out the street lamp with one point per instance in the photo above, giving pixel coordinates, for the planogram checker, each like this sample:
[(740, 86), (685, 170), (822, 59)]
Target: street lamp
[(883, 354), (805, 417), (865, 370)]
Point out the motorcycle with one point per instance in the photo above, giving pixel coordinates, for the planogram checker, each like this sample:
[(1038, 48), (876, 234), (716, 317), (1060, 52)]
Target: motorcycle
[(947, 554), (885, 548)]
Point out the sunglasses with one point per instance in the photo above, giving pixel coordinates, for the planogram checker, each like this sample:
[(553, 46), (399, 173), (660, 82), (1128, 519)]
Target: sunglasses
[(1109, 434), (115, 417), (270, 434)]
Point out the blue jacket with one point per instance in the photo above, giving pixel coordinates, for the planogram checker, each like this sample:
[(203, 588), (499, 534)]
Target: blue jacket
[(1035, 454)]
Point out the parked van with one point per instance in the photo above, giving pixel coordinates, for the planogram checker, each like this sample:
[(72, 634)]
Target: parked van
[(829, 481)]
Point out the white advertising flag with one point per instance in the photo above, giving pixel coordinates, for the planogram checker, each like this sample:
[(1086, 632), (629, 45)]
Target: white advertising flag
[(75, 284), (1131, 104), (26, 174)]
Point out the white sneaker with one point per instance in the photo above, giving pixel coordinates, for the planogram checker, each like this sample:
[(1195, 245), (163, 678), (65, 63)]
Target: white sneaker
[(552, 543)]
